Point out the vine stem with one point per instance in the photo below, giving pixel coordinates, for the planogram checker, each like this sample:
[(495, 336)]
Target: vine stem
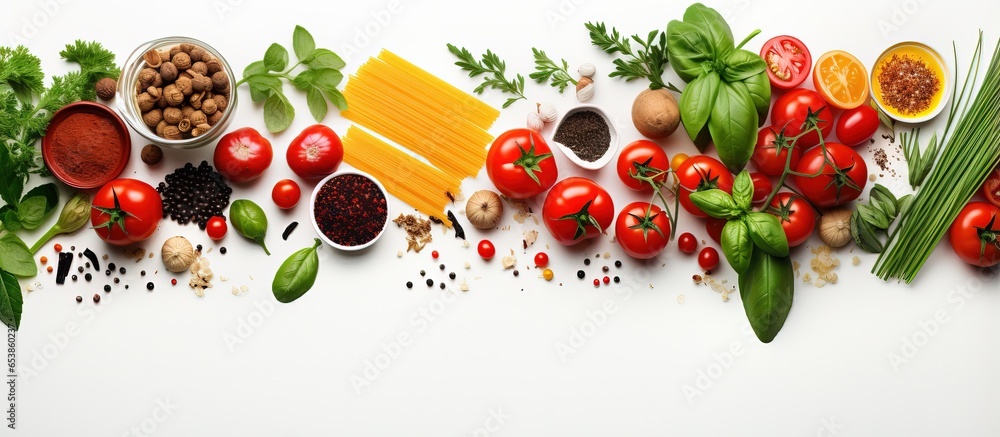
[(748, 38)]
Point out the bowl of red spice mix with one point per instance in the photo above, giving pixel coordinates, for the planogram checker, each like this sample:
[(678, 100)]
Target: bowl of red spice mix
[(349, 210), (86, 145)]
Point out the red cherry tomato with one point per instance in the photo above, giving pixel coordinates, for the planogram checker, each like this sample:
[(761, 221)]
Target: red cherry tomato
[(708, 259), (486, 250), (126, 211), (520, 164), (830, 188), (700, 173), (687, 243), (286, 194), (642, 230), (714, 227), (788, 61), (216, 228), (242, 155), (315, 153), (771, 152), (761, 186), (642, 159), (974, 234), (798, 109), (855, 126), (541, 259), (797, 217)]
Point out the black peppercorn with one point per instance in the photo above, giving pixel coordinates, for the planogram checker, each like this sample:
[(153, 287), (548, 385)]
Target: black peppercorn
[(97, 298), (79, 269), (586, 261), (516, 273), (142, 273), (617, 279), (442, 267), (604, 269), (117, 280), (121, 270), (222, 250), (74, 278), (198, 248), (111, 266), (149, 285), (580, 274), (423, 273), (430, 282), (451, 275), (107, 288), (79, 299), (618, 264), (107, 273), (88, 277), (442, 285), (87, 264), (409, 284)]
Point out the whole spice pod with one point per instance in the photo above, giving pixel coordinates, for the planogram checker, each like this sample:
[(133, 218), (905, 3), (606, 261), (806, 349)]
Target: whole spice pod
[(75, 214)]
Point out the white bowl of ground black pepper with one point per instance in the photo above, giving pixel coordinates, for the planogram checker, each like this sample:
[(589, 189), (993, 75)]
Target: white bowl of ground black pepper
[(586, 136)]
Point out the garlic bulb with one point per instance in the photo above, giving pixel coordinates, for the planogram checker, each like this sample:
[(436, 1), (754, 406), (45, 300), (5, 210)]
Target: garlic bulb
[(535, 122), (587, 70), (584, 89), (484, 209), (177, 254), (835, 227), (547, 112)]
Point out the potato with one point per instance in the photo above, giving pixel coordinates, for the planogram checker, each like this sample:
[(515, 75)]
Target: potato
[(655, 114)]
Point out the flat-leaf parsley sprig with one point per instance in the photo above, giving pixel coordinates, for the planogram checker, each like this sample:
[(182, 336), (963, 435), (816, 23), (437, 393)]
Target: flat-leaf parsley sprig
[(645, 63), (548, 70), (319, 80), (494, 69)]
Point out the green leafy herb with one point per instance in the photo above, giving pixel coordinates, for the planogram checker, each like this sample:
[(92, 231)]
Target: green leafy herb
[(645, 63), (15, 258), (26, 106), (26, 211), (249, 220), (728, 93), (10, 300), (549, 70), (319, 80), (870, 223), (297, 274), (918, 164), (767, 288), (494, 70), (75, 214)]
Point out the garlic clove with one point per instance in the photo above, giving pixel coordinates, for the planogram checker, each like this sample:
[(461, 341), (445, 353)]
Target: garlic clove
[(587, 70), (547, 112), (585, 93), (535, 122)]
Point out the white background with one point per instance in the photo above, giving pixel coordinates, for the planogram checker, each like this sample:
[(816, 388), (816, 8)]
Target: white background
[(106, 369)]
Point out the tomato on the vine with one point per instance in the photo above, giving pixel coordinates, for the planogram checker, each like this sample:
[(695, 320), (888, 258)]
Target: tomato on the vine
[(687, 243), (242, 155), (797, 217), (839, 183), (761, 186), (975, 234), (641, 162), (315, 153), (771, 152), (126, 211), (286, 194), (991, 188), (520, 164), (642, 230), (486, 249), (576, 209), (855, 126), (798, 111), (708, 259), (788, 61), (216, 228), (701, 173)]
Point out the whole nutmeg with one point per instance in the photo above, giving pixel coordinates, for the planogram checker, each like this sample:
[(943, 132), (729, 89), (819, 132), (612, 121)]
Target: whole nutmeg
[(201, 83), (171, 132), (220, 81), (172, 115), (145, 102), (106, 88), (198, 117), (153, 117), (181, 60), (168, 71), (173, 95), (199, 67), (197, 53), (184, 125), (178, 254), (208, 106), (146, 77), (185, 85), (220, 102), (213, 65), (152, 154)]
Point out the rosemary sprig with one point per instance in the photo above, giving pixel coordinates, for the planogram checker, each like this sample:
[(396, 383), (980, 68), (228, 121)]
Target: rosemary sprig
[(494, 68), (644, 63), (548, 70)]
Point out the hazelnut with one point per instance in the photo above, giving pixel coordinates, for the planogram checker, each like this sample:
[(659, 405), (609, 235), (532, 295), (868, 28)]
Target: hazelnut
[(184, 85), (202, 83), (153, 117), (157, 80), (172, 133), (168, 71), (173, 95), (172, 115), (174, 50), (220, 81), (197, 53), (146, 77), (213, 65), (145, 102), (181, 60), (200, 130), (220, 102), (208, 106), (187, 47), (195, 100), (164, 56), (152, 154), (152, 58), (184, 125), (186, 111), (199, 67), (214, 118), (162, 102), (106, 88), (155, 92), (159, 128), (198, 117)]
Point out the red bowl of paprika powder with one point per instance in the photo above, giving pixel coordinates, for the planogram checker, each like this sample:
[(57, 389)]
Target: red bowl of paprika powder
[(86, 145)]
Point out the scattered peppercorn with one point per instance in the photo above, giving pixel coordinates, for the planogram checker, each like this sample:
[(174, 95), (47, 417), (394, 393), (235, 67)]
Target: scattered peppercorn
[(88, 277), (142, 273), (423, 273), (173, 281), (79, 269), (48, 269), (121, 270), (430, 282), (451, 275), (434, 254), (57, 247), (117, 280), (409, 284), (618, 264), (107, 288), (111, 266), (586, 261), (580, 274), (149, 285), (604, 269), (617, 279), (442, 285), (597, 282), (223, 250), (198, 248), (97, 298), (87, 264), (74, 277), (516, 273), (441, 267), (79, 299), (607, 280), (44, 259)]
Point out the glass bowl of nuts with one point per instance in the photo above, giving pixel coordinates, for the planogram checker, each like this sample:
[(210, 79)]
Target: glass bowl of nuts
[(177, 92)]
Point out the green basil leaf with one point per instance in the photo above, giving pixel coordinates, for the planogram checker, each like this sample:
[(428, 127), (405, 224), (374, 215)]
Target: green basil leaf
[(296, 275), (688, 50), (743, 191), (278, 113), (716, 203), (263, 86), (880, 192), (15, 258), (759, 87), (733, 125), (737, 245), (11, 184), (303, 43), (276, 57), (11, 301), (873, 216), (887, 207), (249, 220), (767, 288), (767, 233), (323, 58), (741, 64), (31, 212), (703, 140), (864, 235), (8, 216), (720, 36), (323, 78), (335, 97), (317, 104), (254, 68), (697, 100), (49, 191)]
